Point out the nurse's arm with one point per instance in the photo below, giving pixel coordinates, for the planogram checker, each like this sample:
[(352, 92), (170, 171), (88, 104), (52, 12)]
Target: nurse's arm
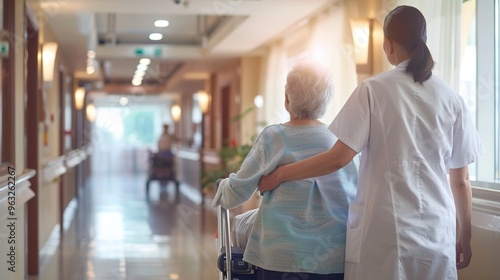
[(462, 193), (321, 164)]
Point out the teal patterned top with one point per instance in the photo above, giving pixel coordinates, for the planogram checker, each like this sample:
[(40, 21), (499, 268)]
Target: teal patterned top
[(301, 225)]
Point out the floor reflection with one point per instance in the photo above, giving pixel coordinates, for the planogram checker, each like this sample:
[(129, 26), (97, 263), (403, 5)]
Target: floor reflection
[(117, 232)]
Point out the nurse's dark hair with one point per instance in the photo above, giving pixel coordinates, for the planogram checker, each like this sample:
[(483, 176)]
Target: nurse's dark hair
[(406, 26)]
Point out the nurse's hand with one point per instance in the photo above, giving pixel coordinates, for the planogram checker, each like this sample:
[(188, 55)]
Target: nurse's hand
[(464, 254), (270, 181)]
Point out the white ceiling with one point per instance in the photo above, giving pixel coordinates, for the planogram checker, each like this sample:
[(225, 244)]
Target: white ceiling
[(118, 31)]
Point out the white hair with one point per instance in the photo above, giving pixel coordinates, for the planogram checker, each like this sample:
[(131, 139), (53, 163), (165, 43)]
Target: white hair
[(309, 87)]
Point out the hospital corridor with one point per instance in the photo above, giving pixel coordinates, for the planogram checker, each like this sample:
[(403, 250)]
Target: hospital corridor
[(120, 119), (115, 232)]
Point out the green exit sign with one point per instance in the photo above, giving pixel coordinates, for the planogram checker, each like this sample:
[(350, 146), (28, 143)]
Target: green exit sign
[(149, 52), (4, 48), (139, 52), (158, 52)]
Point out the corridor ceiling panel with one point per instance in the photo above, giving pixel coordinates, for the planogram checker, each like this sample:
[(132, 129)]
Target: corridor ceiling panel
[(118, 31)]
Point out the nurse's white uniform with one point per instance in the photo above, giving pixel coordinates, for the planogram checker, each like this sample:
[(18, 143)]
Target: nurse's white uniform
[(402, 222)]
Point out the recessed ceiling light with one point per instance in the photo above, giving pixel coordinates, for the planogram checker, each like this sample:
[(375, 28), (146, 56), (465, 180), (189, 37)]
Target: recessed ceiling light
[(161, 23), (90, 69), (138, 77), (145, 61), (155, 36), (142, 67), (91, 54), (136, 82), (139, 73)]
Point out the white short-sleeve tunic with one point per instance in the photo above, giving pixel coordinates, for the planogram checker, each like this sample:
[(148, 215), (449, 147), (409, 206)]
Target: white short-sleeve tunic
[(402, 222)]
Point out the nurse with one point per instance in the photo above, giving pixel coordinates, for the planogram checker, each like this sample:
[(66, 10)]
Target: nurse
[(411, 130)]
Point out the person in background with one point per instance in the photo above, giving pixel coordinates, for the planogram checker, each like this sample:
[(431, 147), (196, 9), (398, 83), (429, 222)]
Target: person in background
[(165, 141), (412, 132), (299, 231)]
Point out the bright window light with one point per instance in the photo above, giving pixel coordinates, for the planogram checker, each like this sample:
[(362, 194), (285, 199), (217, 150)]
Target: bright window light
[(161, 23), (155, 36)]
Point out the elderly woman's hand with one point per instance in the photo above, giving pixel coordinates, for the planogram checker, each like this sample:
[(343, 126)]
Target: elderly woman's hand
[(270, 181)]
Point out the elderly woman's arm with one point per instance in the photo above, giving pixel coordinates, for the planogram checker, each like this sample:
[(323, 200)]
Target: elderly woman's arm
[(321, 164), (462, 193), (240, 186)]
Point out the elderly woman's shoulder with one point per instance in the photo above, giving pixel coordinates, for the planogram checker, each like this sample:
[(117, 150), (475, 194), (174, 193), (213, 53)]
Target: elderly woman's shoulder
[(271, 127), (270, 130)]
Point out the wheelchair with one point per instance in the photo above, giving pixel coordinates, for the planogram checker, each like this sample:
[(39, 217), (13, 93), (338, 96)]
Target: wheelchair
[(162, 169), (238, 268)]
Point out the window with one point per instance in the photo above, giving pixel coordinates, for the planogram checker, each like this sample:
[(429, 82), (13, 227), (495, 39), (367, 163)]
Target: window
[(468, 72), (497, 91), (479, 84), (122, 135)]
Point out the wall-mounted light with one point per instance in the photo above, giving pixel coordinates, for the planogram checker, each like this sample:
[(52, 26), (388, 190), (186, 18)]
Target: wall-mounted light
[(79, 98), (361, 39), (49, 51), (258, 101), (203, 100), (176, 112), (123, 101), (91, 112)]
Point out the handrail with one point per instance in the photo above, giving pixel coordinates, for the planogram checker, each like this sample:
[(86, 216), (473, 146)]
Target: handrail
[(75, 157), (209, 156), (16, 187), (54, 168), (28, 174)]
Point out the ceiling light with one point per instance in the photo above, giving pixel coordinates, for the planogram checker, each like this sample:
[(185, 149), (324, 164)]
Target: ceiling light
[(161, 23), (155, 36), (90, 69), (142, 67), (145, 61), (138, 78), (91, 54), (136, 82), (139, 73)]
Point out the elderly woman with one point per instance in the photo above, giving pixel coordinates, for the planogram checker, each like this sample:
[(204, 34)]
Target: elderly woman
[(300, 230)]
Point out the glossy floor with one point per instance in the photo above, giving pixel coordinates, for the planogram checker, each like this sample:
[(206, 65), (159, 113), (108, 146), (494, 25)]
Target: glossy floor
[(115, 232)]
